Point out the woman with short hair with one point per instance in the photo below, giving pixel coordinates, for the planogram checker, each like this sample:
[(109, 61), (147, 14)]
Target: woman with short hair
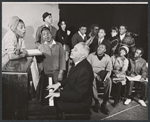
[(120, 65)]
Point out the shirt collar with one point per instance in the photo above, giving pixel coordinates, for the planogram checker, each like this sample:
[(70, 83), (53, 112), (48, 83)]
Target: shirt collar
[(122, 36), (100, 40), (81, 35), (77, 62), (54, 42), (48, 26)]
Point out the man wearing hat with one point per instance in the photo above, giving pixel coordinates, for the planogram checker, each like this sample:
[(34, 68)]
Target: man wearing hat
[(102, 66), (47, 18)]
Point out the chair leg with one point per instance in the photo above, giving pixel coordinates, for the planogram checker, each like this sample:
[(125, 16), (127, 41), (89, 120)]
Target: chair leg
[(63, 116)]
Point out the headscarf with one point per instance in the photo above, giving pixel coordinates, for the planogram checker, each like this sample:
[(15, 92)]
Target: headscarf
[(13, 22)]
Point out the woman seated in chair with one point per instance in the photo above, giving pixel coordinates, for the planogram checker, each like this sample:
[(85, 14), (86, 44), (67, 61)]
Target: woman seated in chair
[(120, 65)]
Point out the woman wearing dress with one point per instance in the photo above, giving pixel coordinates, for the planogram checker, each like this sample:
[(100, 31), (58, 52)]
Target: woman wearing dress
[(120, 65)]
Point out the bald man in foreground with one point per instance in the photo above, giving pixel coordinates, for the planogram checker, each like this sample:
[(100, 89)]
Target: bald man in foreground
[(76, 95)]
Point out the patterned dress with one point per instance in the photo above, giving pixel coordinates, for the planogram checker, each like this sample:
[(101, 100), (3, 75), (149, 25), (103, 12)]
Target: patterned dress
[(120, 66)]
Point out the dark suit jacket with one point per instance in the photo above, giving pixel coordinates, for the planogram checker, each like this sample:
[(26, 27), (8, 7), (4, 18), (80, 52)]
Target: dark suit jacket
[(77, 38), (127, 40), (94, 45), (78, 85)]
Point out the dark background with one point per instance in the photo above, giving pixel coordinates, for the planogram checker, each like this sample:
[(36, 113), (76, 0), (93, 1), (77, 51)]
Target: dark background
[(135, 16)]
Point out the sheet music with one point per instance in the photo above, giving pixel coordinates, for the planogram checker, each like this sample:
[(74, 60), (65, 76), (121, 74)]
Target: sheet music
[(51, 100), (35, 73), (33, 52), (135, 78)]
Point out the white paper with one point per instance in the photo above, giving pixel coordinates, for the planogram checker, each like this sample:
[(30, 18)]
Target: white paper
[(35, 73), (135, 78), (51, 100), (33, 52)]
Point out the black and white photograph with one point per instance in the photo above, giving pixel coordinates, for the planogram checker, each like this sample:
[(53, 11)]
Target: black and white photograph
[(74, 61)]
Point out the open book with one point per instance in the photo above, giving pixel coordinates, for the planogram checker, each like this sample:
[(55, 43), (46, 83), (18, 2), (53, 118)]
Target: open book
[(135, 78)]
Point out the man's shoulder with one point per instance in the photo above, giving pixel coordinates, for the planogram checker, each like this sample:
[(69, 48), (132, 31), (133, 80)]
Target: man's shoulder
[(106, 41), (128, 36), (92, 54), (85, 64), (142, 60), (76, 34), (54, 28), (40, 27), (58, 43), (107, 56), (41, 45)]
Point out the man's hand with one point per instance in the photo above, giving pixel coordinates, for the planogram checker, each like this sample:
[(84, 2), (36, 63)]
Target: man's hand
[(60, 76), (54, 86), (132, 75), (116, 71), (17, 52), (98, 78), (23, 54), (142, 79), (53, 95)]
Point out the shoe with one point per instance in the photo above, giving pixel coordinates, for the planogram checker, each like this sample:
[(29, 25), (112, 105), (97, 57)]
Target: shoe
[(115, 104), (142, 103), (96, 107), (127, 101), (104, 109)]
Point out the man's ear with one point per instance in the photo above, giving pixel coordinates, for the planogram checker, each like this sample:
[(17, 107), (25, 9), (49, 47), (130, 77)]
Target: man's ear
[(140, 55), (105, 50), (83, 55), (104, 34)]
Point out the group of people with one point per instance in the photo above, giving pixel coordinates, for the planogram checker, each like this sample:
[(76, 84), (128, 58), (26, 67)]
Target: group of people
[(94, 60)]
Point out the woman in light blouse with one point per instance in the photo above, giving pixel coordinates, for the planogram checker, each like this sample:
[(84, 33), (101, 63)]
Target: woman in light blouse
[(13, 46), (120, 65)]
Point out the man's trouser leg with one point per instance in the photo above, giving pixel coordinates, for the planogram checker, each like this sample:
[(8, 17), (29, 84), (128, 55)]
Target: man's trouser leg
[(129, 88), (95, 93), (143, 90), (107, 89)]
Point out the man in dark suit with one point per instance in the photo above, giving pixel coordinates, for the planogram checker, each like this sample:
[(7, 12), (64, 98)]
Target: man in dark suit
[(100, 40), (125, 39), (76, 95), (79, 36), (92, 36)]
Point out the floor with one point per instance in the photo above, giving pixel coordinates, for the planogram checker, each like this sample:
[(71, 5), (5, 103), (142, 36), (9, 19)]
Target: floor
[(133, 111)]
